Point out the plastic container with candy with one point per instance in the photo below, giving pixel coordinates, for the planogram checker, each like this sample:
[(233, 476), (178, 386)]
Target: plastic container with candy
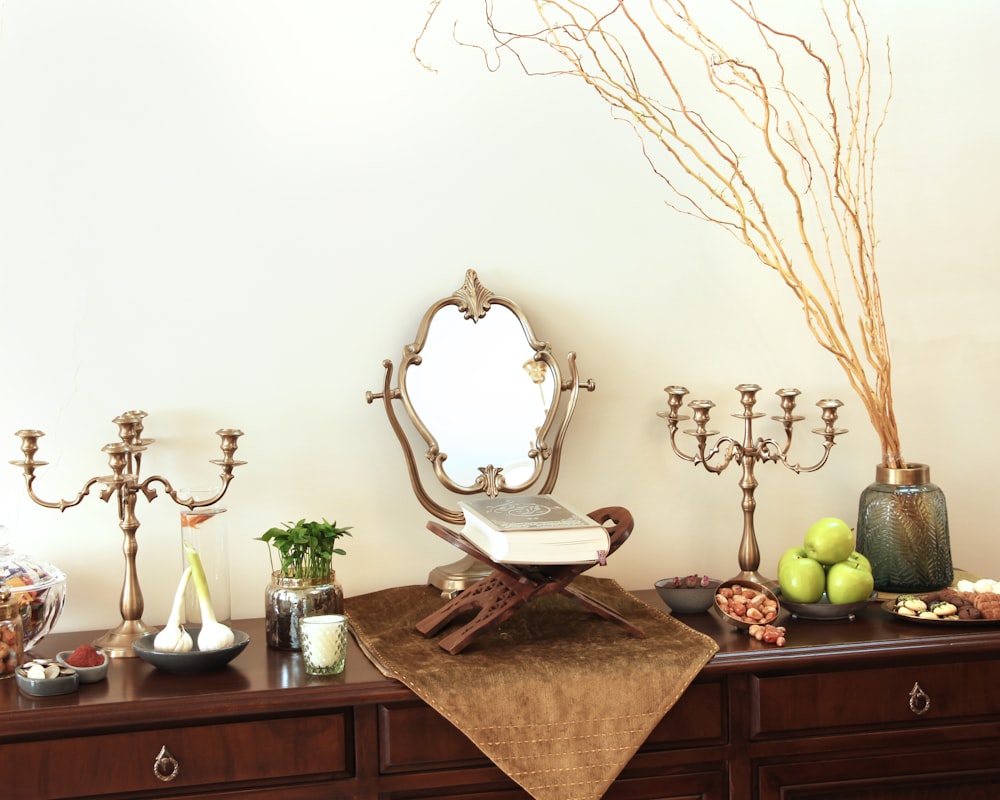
[(39, 588)]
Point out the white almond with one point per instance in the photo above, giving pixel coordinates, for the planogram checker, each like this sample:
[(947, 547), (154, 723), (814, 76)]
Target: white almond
[(35, 672)]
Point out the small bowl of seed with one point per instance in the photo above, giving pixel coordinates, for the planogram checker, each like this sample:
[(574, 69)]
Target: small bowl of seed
[(44, 678)]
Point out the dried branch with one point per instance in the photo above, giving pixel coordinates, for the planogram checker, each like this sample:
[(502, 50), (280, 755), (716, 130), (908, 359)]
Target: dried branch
[(776, 148)]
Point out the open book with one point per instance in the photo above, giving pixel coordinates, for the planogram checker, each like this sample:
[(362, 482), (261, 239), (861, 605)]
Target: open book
[(533, 529)]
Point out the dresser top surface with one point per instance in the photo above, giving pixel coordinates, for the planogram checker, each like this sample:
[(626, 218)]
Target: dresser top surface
[(262, 680)]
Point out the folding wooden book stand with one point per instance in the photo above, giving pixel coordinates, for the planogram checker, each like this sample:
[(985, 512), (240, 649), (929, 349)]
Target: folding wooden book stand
[(500, 594)]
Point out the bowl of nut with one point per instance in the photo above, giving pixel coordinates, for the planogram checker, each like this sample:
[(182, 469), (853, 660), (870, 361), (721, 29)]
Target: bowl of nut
[(693, 594), (743, 603)]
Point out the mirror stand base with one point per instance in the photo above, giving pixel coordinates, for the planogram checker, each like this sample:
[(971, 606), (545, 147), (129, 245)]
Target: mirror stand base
[(454, 578)]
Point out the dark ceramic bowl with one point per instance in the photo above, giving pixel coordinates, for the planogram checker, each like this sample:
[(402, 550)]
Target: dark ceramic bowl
[(687, 601), (86, 674), (193, 661), (65, 683)]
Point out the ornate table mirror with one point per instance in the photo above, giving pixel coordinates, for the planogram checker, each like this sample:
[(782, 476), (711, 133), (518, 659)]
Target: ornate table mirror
[(489, 402)]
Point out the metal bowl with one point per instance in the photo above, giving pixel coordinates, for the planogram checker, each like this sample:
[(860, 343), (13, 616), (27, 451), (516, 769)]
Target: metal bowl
[(824, 609), (736, 622), (682, 600)]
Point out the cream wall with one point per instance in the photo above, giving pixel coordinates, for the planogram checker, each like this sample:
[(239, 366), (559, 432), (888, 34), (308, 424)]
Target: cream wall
[(229, 213)]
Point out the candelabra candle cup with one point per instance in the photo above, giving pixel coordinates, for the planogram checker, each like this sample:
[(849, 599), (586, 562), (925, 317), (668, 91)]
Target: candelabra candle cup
[(324, 643), (205, 529)]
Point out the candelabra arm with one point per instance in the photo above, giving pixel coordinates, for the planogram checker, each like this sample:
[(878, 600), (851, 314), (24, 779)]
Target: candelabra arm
[(733, 451), (191, 503), (62, 505), (672, 425), (797, 468)]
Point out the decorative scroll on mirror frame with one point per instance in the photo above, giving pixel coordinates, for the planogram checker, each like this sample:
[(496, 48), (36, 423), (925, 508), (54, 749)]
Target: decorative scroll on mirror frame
[(489, 401)]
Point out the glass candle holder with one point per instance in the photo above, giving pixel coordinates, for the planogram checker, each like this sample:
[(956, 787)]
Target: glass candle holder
[(323, 639)]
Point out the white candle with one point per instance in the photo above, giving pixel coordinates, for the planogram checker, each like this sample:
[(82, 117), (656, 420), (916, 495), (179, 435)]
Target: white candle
[(324, 643)]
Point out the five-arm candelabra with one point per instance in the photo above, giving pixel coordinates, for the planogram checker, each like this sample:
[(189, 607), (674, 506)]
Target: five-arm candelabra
[(747, 452), (125, 460)]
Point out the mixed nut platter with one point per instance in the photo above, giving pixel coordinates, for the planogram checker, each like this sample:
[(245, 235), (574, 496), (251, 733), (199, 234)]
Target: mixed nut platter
[(968, 602)]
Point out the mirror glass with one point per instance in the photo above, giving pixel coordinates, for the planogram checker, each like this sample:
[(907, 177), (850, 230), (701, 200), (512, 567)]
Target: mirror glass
[(480, 392)]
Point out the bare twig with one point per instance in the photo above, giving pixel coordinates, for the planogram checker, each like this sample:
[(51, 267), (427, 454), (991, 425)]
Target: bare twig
[(779, 153)]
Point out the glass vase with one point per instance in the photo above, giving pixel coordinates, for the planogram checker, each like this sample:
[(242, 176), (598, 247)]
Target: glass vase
[(903, 530), (288, 600), (205, 529)]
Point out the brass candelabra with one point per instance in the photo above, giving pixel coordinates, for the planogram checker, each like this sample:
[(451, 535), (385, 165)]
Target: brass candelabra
[(747, 452), (125, 460)]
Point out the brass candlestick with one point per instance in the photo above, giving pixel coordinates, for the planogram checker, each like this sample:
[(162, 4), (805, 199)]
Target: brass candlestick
[(748, 452), (125, 459)]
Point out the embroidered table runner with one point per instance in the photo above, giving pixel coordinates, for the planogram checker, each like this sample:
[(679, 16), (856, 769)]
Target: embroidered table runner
[(557, 697)]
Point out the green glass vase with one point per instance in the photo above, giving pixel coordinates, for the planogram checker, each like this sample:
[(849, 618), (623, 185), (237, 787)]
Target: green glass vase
[(903, 530)]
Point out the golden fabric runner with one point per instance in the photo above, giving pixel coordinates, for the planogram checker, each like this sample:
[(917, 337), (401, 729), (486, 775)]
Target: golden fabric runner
[(557, 697)]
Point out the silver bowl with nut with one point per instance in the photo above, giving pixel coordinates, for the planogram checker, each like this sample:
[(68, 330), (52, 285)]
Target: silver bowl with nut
[(743, 603)]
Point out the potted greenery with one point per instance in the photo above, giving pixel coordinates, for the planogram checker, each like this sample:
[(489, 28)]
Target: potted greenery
[(306, 583)]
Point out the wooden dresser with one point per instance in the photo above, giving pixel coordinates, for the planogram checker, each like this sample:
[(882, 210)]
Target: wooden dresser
[(874, 708)]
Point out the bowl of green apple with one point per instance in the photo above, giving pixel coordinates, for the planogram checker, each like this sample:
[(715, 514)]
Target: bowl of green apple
[(825, 578)]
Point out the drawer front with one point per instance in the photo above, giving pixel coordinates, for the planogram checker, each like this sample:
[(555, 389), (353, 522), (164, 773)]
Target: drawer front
[(415, 737), (916, 695), (697, 719), (292, 749)]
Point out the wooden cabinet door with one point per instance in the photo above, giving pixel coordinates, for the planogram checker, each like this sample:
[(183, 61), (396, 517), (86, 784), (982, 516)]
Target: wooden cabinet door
[(943, 770)]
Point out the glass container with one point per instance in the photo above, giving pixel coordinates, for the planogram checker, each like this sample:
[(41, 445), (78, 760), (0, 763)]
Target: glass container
[(289, 600), (11, 634), (903, 530), (324, 643), (206, 530), (38, 588)]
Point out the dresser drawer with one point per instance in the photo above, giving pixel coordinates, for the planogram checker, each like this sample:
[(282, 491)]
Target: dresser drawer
[(415, 737), (913, 695), (246, 753), (696, 720)]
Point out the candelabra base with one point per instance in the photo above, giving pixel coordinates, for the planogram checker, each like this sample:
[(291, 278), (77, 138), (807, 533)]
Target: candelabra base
[(117, 642), (754, 576)]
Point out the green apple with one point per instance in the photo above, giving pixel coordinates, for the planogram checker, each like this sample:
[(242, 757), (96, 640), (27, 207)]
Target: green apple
[(861, 559), (790, 554), (849, 582), (829, 540), (801, 578)]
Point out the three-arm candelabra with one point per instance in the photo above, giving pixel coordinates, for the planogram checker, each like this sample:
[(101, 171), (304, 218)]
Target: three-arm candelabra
[(748, 452), (125, 460)]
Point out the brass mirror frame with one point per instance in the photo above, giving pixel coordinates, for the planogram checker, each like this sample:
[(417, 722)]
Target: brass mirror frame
[(474, 301)]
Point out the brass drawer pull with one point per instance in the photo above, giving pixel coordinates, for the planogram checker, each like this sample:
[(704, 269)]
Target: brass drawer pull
[(920, 701), (166, 767)]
